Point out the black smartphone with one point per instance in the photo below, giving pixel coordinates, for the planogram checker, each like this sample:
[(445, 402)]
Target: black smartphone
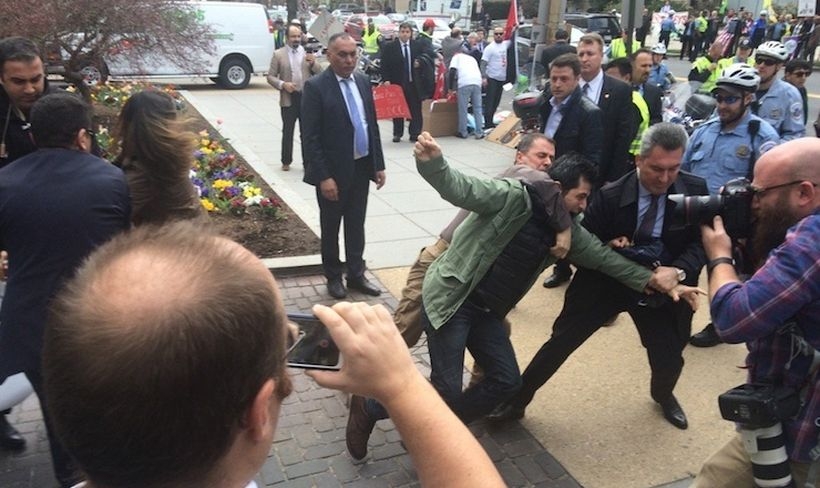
[(313, 348)]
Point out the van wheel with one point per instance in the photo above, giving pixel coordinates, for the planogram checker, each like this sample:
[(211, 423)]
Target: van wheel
[(234, 74), (94, 73)]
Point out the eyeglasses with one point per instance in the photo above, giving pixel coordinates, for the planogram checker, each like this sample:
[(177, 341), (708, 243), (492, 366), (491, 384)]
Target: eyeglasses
[(91, 134), (802, 74), (760, 192), (498, 33), (727, 99), (766, 61)]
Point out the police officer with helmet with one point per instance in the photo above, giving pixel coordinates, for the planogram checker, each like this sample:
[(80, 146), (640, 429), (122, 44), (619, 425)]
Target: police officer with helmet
[(778, 102), (727, 145)]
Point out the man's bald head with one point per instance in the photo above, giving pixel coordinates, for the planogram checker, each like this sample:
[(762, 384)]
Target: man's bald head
[(798, 159), (161, 342)]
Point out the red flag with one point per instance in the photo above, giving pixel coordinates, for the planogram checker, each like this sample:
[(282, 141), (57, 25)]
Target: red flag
[(512, 20)]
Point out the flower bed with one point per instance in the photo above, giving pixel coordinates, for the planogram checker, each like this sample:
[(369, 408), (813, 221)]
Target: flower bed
[(240, 203)]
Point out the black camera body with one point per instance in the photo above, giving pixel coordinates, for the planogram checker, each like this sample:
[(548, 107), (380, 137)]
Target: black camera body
[(759, 405), (733, 204)]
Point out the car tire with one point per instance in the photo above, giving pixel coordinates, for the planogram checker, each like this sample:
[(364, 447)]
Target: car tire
[(94, 73), (234, 73)]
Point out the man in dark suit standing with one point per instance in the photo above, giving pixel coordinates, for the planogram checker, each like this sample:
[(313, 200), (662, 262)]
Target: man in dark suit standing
[(290, 66), (620, 124), (633, 215), (81, 201), (401, 65), (569, 118), (342, 152), (561, 46)]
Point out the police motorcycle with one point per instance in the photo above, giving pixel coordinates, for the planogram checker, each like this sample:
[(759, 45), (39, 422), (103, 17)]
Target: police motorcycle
[(370, 66), (683, 105)]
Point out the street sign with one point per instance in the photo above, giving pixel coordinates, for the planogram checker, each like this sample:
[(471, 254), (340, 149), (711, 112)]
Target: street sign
[(805, 8)]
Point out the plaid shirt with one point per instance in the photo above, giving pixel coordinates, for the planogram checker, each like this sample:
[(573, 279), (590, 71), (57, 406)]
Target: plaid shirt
[(786, 287)]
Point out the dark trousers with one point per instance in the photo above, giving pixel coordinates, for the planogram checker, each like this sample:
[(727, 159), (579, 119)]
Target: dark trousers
[(664, 38), (64, 468), (414, 104), (494, 91), (289, 117), (686, 46), (352, 207), (483, 334), (591, 299)]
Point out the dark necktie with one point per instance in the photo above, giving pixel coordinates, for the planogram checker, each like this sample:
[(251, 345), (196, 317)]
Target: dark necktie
[(644, 232), (408, 61)]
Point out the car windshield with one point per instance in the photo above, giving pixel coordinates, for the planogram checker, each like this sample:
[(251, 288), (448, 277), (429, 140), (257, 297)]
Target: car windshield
[(380, 20), (599, 24)]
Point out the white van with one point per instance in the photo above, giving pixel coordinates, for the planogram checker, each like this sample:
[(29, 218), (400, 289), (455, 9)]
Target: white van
[(242, 37)]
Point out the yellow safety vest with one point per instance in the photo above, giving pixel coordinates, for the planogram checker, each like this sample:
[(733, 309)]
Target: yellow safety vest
[(643, 109), (702, 64), (617, 49), (371, 41)]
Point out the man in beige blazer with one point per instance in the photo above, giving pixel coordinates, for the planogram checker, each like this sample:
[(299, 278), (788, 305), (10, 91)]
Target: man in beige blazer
[(290, 67)]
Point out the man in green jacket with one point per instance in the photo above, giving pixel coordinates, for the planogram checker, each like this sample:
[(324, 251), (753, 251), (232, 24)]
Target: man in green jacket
[(496, 254)]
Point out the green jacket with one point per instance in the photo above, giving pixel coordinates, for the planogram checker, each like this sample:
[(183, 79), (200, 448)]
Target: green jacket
[(499, 207)]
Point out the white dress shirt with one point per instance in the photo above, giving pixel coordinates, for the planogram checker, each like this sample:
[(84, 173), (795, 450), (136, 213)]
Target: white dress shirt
[(595, 86)]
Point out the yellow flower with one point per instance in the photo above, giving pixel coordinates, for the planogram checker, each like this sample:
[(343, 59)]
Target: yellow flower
[(250, 191), (204, 142), (220, 184), (207, 205)]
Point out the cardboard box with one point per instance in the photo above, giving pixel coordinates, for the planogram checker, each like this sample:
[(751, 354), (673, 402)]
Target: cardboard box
[(507, 132), (440, 118)]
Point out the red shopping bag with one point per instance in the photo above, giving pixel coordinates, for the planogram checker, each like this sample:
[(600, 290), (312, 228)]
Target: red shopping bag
[(390, 102)]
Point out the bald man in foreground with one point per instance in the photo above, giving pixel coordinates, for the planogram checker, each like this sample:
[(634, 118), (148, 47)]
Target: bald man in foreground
[(162, 382)]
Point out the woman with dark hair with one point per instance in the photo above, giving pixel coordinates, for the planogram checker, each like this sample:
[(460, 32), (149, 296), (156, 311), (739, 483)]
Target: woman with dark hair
[(156, 157)]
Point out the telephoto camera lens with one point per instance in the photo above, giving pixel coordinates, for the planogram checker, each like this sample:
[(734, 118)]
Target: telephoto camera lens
[(767, 450)]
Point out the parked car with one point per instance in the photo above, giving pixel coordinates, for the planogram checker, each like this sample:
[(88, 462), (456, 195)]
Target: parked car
[(605, 24)]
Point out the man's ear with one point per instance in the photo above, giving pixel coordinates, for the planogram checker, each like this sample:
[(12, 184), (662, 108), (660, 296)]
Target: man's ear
[(258, 417), (82, 140)]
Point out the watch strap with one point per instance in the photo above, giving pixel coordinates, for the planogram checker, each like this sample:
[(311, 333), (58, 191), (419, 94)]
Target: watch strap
[(721, 260)]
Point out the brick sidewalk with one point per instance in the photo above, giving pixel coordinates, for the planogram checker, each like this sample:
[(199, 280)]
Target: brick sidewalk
[(309, 448)]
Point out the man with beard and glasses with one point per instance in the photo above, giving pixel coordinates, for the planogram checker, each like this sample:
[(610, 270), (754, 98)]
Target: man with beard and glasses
[(726, 146), (785, 289)]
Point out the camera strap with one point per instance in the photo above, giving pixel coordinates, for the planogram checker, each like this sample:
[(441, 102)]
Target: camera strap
[(800, 346), (754, 128)]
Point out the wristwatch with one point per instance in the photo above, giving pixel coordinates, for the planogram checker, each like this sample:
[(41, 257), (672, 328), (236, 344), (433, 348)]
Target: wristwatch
[(681, 274), (718, 261)]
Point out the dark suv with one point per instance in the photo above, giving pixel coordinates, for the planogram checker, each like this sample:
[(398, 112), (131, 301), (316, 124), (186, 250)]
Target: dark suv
[(605, 24)]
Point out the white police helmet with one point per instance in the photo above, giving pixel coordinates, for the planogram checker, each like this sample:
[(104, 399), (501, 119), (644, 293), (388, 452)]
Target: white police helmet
[(659, 48), (773, 49), (740, 76)]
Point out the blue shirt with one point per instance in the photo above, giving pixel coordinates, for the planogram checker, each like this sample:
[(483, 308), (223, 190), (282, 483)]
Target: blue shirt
[(719, 156), (667, 24), (782, 107), (787, 286), (658, 76)]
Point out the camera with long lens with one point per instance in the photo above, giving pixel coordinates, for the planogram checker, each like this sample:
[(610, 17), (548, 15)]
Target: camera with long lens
[(759, 410), (733, 204), (527, 107)]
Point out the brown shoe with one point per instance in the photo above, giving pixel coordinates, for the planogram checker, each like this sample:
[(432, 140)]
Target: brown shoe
[(359, 427)]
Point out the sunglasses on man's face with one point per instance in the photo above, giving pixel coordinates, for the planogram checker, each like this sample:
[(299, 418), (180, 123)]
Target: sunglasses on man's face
[(766, 61), (802, 74), (498, 33), (727, 99)]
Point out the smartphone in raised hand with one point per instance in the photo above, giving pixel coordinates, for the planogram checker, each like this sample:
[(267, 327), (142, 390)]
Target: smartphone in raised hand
[(313, 348)]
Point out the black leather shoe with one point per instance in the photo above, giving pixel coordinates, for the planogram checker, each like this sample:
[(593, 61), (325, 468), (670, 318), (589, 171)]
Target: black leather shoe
[(363, 285), (674, 413), (336, 288), (414, 138), (396, 139), (505, 413), (10, 438), (359, 427), (556, 280), (708, 337)]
